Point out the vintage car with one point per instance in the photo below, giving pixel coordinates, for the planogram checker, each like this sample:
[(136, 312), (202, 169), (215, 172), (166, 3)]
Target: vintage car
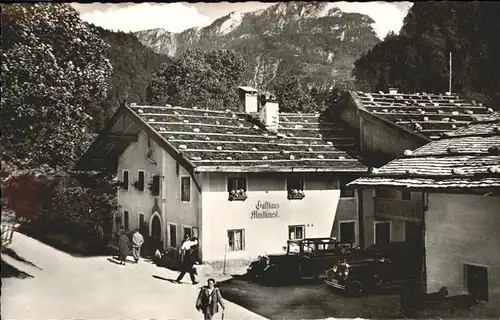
[(304, 259), (377, 267)]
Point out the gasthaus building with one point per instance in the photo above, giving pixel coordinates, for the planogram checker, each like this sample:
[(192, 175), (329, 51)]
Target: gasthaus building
[(243, 181), (452, 191)]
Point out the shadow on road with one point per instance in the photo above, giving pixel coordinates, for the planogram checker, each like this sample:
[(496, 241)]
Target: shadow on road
[(9, 271), (164, 279), (11, 253)]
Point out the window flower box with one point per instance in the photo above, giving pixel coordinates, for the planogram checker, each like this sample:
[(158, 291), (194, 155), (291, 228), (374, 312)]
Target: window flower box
[(296, 194), (138, 185), (237, 195)]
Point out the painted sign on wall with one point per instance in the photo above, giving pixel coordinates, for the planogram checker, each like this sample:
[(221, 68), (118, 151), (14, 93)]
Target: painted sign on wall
[(265, 210)]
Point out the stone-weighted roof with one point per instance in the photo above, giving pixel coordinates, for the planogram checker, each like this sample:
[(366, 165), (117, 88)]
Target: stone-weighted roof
[(227, 140), (431, 115), (466, 158)]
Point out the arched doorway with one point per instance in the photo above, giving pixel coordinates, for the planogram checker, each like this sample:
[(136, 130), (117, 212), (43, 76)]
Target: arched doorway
[(155, 232)]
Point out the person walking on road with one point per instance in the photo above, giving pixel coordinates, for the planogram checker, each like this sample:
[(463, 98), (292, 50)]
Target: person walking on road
[(187, 263), (209, 299), (137, 241), (123, 247)]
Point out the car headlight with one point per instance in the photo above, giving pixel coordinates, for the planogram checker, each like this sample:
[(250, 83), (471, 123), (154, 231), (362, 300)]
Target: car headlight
[(335, 269), (346, 272)]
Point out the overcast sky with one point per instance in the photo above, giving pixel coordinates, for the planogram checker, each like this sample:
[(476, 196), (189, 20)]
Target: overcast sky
[(180, 16)]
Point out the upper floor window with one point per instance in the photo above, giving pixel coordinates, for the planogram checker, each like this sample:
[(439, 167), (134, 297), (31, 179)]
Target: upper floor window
[(237, 188), (186, 189), (139, 184), (345, 191), (295, 187), (125, 181), (155, 185)]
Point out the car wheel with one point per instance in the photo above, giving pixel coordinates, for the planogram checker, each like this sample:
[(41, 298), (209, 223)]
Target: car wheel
[(354, 288)]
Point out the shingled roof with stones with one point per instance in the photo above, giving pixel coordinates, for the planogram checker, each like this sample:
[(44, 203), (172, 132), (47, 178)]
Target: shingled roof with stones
[(226, 140), (466, 158), (431, 115)]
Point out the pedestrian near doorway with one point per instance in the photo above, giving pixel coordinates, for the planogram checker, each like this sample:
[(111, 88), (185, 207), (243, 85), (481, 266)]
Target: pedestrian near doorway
[(188, 262), (123, 247), (209, 299), (137, 242)]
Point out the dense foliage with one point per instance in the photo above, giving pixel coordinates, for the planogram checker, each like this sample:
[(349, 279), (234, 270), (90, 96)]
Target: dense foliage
[(133, 66), (197, 78), (55, 74), (417, 60), (294, 97)]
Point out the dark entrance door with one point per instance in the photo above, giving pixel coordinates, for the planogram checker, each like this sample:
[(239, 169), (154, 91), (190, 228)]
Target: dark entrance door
[(382, 232), (413, 233), (156, 232), (477, 282)]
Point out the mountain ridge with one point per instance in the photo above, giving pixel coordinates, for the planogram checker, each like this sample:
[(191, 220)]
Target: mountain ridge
[(315, 41)]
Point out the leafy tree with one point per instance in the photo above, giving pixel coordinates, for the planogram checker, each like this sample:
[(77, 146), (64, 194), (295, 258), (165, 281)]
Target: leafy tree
[(199, 79), (133, 66), (418, 58), (54, 75), (293, 97)]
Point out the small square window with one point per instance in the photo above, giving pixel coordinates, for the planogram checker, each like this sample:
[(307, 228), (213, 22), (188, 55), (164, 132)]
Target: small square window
[(296, 232), (237, 188), (295, 187), (236, 239)]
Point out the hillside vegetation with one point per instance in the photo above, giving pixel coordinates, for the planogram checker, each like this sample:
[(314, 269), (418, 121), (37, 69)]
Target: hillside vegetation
[(417, 60)]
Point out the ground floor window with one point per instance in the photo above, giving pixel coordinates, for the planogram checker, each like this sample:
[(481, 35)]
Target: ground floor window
[(296, 232), (382, 232), (125, 220), (347, 231), (173, 235), (188, 232), (476, 278), (236, 239), (141, 220)]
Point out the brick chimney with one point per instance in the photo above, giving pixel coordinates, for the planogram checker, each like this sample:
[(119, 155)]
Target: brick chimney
[(248, 99), (269, 112)]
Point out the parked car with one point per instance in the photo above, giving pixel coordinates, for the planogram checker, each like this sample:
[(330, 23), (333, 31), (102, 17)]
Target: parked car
[(378, 266), (304, 259)]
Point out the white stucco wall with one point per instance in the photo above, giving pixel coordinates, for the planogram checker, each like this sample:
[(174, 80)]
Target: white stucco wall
[(134, 159), (462, 229), (266, 235), (182, 214), (173, 210)]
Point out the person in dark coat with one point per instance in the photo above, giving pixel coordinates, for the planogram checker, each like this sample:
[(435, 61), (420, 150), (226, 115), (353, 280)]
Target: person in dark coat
[(209, 299), (187, 264), (123, 246)]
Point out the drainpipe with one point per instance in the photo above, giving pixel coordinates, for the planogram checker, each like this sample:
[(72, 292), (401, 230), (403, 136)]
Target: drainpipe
[(425, 201), (361, 222)]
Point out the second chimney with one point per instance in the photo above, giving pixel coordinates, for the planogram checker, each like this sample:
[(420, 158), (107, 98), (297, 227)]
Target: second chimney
[(269, 114), (248, 99)]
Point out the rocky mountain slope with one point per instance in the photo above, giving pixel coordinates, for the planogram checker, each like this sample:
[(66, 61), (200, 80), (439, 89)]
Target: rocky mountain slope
[(313, 40)]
